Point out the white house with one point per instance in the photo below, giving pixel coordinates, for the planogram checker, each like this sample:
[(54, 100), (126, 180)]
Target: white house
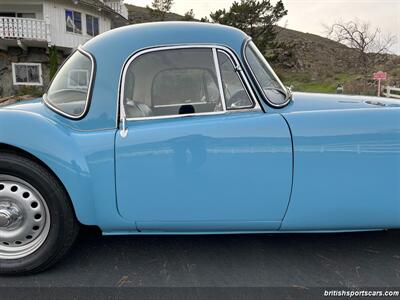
[(29, 28)]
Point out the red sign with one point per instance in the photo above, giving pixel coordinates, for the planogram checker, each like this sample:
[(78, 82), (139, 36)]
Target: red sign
[(380, 75)]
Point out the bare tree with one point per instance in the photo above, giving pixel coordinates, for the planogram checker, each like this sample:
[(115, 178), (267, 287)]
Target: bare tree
[(370, 44), (160, 8)]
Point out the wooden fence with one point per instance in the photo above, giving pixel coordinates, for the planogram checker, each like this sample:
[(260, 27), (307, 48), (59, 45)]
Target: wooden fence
[(391, 91)]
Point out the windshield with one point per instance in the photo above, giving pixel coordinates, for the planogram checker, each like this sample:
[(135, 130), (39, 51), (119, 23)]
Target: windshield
[(68, 93), (269, 83)]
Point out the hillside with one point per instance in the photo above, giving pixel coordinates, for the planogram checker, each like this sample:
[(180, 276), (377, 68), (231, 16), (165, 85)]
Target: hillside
[(298, 51), (138, 14), (307, 61), (314, 63)]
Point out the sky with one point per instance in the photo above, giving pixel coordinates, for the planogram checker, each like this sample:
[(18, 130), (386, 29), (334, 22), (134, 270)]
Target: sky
[(310, 15)]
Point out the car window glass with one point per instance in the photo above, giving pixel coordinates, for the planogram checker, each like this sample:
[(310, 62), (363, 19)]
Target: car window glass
[(236, 96), (173, 87), (267, 79), (171, 82), (69, 90)]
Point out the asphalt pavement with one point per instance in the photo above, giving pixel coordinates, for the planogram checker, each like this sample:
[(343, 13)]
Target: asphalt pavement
[(368, 259)]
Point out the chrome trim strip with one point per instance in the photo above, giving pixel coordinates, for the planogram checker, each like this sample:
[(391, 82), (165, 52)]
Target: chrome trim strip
[(256, 80), (177, 116), (89, 92), (121, 90), (226, 112), (219, 79), (173, 105)]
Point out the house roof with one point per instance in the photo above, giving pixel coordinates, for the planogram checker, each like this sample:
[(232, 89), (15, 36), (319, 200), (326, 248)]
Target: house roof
[(100, 5)]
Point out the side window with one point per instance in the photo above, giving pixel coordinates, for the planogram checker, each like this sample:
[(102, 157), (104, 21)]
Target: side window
[(172, 82), (192, 86), (272, 88), (236, 96), (69, 90)]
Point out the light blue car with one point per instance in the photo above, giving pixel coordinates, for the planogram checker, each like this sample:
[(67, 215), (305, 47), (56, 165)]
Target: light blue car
[(184, 128)]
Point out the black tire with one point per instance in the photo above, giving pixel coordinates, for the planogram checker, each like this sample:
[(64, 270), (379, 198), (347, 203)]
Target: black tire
[(64, 226)]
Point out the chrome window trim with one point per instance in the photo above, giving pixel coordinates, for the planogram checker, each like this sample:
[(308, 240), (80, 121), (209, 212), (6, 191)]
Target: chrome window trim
[(243, 76), (121, 114), (246, 44), (172, 105), (176, 116), (89, 92), (240, 74), (219, 79)]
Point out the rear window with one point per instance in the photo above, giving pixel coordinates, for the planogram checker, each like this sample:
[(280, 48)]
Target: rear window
[(69, 91)]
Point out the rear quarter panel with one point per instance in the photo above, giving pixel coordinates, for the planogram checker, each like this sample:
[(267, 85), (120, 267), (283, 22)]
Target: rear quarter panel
[(82, 160), (346, 170)]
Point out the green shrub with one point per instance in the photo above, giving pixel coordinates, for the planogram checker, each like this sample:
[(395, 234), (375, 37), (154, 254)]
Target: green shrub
[(53, 61)]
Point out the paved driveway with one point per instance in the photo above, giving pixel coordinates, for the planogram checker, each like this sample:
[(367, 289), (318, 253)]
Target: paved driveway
[(346, 260)]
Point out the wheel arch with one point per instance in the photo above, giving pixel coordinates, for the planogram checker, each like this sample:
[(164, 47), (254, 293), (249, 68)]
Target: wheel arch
[(83, 210), (18, 151)]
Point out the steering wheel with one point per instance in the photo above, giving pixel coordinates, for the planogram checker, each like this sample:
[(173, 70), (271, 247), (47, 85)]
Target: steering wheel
[(238, 99)]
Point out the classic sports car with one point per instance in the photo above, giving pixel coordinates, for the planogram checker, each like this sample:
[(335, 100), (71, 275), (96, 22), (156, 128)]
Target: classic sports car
[(184, 128)]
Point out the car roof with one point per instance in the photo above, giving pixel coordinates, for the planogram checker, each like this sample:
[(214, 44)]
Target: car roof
[(129, 39), (111, 50)]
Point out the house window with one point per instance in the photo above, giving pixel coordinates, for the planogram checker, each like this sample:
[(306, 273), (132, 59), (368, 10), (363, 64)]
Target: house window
[(27, 74), (18, 15), (26, 15), (7, 14), (92, 25), (78, 79), (73, 20)]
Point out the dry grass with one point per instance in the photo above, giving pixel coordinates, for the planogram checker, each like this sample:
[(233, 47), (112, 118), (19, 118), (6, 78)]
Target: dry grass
[(13, 99)]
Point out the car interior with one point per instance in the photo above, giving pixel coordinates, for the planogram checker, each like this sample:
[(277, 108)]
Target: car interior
[(172, 82), (161, 83)]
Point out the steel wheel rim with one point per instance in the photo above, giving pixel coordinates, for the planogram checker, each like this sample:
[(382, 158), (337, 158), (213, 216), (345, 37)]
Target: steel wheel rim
[(24, 218)]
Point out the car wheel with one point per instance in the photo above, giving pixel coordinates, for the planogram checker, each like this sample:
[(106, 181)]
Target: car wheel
[(37, 221)]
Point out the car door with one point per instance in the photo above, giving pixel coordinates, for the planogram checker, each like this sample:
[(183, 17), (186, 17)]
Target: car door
[(196, 153)]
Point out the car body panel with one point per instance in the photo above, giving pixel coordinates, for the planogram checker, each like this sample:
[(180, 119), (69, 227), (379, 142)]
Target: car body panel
[(345, 153), (317, 102), (205, 173), (54, 145), (347, 169), (82, 161)]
